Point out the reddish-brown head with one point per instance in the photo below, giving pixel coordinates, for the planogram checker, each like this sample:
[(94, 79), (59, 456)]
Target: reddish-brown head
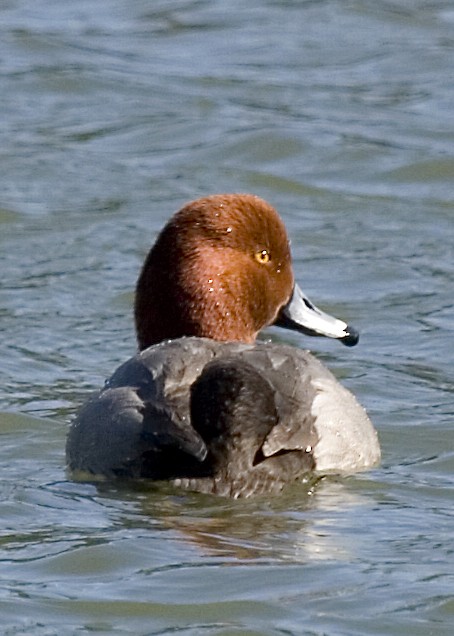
[(221, 268)]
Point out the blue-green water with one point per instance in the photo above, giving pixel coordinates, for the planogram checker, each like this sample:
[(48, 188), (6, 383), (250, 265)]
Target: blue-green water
[(113, 115)]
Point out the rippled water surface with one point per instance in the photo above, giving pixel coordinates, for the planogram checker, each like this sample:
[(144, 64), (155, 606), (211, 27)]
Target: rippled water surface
[(114, 114)]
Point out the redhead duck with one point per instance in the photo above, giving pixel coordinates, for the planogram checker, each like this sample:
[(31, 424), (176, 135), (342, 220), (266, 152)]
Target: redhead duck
[(204, 405)]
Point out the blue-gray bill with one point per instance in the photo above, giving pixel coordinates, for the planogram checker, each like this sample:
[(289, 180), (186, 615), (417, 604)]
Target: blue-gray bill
[(299, 314)]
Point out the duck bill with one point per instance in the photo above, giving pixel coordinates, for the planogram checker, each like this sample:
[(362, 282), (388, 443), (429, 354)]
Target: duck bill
[(299, 314)]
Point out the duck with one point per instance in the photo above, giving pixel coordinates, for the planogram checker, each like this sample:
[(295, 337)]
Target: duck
[(203, 404)]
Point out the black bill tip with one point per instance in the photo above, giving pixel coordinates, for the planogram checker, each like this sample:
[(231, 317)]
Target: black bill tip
[(351, 337)]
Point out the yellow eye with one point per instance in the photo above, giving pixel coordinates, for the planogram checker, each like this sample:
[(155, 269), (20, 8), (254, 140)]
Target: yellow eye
[(263, 256)]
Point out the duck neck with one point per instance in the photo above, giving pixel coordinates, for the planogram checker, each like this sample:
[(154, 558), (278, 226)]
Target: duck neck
[(171, 304)]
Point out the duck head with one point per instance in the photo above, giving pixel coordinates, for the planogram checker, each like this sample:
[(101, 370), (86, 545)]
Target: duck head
[(221, 268)]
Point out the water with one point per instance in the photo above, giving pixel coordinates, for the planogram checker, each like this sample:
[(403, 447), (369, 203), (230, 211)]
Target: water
[(113, 115)]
